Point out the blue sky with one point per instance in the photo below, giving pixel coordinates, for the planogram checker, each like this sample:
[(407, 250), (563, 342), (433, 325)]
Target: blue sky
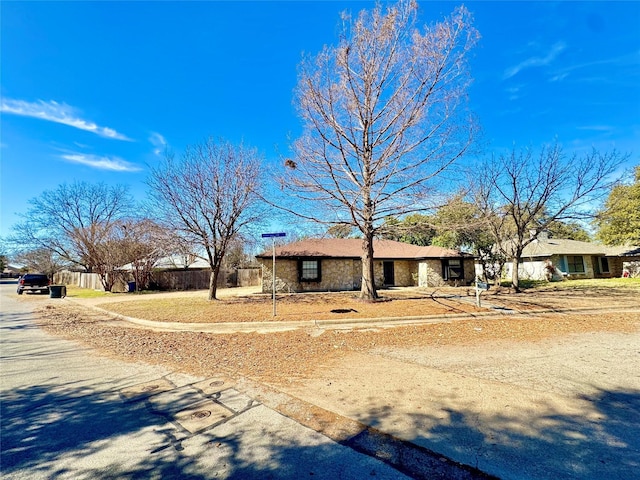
[(95, 91)]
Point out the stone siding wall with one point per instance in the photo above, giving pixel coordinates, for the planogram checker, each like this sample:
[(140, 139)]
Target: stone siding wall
[(402, 273), (346, 274), (430, 273), (469, 271), (336, 275)]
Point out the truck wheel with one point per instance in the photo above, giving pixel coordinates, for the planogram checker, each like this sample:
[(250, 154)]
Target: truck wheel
[(19, 292)]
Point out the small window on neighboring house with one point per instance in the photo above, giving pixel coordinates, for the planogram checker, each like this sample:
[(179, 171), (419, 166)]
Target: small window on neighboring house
[(604, 265), (575, 264), (452, 269), (309, 270)]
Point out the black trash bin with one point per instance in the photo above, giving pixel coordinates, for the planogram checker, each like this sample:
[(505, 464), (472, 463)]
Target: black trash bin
[(57, 291), (131, 287)]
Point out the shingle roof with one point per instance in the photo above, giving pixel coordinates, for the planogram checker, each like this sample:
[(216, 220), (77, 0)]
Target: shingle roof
[(624, 251), (561, 246), (352, 248)]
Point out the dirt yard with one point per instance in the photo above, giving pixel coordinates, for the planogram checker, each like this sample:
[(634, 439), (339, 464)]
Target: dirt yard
[(523, 394), (247, 305), (283, 356)]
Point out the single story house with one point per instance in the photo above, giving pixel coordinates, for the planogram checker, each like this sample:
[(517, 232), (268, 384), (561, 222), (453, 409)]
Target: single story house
[(335, 264), (555, 258), (10, 272)]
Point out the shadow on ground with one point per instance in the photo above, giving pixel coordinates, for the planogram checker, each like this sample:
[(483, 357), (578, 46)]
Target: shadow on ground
[(54, 431), (599, 439)]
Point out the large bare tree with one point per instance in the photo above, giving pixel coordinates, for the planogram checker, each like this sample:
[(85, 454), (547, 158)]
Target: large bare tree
[(208, 196), (522, 194), (73, 221), (383, 115)]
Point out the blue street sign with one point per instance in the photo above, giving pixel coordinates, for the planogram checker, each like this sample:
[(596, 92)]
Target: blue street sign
[(271, 235)]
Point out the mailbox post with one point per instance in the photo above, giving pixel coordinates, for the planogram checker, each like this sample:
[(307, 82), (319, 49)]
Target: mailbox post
[(273, 237), (480, 286)]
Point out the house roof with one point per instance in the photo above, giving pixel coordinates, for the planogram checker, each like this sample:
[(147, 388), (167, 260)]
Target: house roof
[(624, 251), (352, 248), (176, 262), (545, 247)]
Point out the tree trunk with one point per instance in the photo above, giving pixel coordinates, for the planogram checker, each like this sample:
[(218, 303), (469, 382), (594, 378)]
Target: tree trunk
[(515, 277), (368, 289), (213, 283)]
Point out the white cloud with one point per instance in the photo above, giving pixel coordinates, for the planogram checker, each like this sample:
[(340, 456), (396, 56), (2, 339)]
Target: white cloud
[(536, 61), (59, 113), (115, 164), (159, 143), (559, 77)]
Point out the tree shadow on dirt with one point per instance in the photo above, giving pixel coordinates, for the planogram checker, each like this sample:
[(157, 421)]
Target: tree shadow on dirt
[(599, 439)]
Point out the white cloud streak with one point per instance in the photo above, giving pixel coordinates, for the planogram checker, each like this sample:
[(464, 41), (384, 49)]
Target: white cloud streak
[(536, 61), (159, 143), (59, 113), (114, 164)]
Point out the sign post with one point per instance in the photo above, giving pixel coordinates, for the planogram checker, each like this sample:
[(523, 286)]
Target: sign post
[(273, 237)]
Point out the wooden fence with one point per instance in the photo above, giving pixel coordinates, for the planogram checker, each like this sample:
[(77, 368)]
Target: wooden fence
[(169, 279), (79, 279)]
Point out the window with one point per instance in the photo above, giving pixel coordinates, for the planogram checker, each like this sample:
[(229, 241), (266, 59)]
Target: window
[(575, 264), (452, 269), (309, 270), (604, 264)]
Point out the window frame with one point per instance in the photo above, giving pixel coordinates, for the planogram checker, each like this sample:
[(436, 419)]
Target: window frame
[(317, 268), (458, 269), (600, 263), (572, 264)]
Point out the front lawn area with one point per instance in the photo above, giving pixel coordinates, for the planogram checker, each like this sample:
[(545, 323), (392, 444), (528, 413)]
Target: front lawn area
[(193, 307), (77, 292), (291, 307), (590, 283)]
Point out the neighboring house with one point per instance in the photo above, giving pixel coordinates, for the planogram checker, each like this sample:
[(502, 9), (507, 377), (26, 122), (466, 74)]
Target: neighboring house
[(556, 258), (334, 264), (10, 272), (192, 272)]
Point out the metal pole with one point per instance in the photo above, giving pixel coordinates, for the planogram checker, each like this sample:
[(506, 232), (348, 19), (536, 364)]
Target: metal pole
[(273, 274)]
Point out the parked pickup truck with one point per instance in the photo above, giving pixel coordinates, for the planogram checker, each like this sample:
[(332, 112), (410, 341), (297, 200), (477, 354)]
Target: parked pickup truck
[(33, 281)]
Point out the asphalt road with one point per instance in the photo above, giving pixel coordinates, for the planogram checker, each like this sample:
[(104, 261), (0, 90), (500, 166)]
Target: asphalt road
[(68, 413)]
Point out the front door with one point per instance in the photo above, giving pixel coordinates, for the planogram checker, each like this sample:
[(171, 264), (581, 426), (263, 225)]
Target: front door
[(389, 278)]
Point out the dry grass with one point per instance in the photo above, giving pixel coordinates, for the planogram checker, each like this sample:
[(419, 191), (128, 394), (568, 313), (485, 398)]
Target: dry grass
[(293, 307), (411, 302)]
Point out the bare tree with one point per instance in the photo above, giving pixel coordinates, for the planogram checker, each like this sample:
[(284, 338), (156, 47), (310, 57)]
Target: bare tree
[(208, 196), (521, 194), (137, 243), (41, 260), (383, 115), (72, 221)]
